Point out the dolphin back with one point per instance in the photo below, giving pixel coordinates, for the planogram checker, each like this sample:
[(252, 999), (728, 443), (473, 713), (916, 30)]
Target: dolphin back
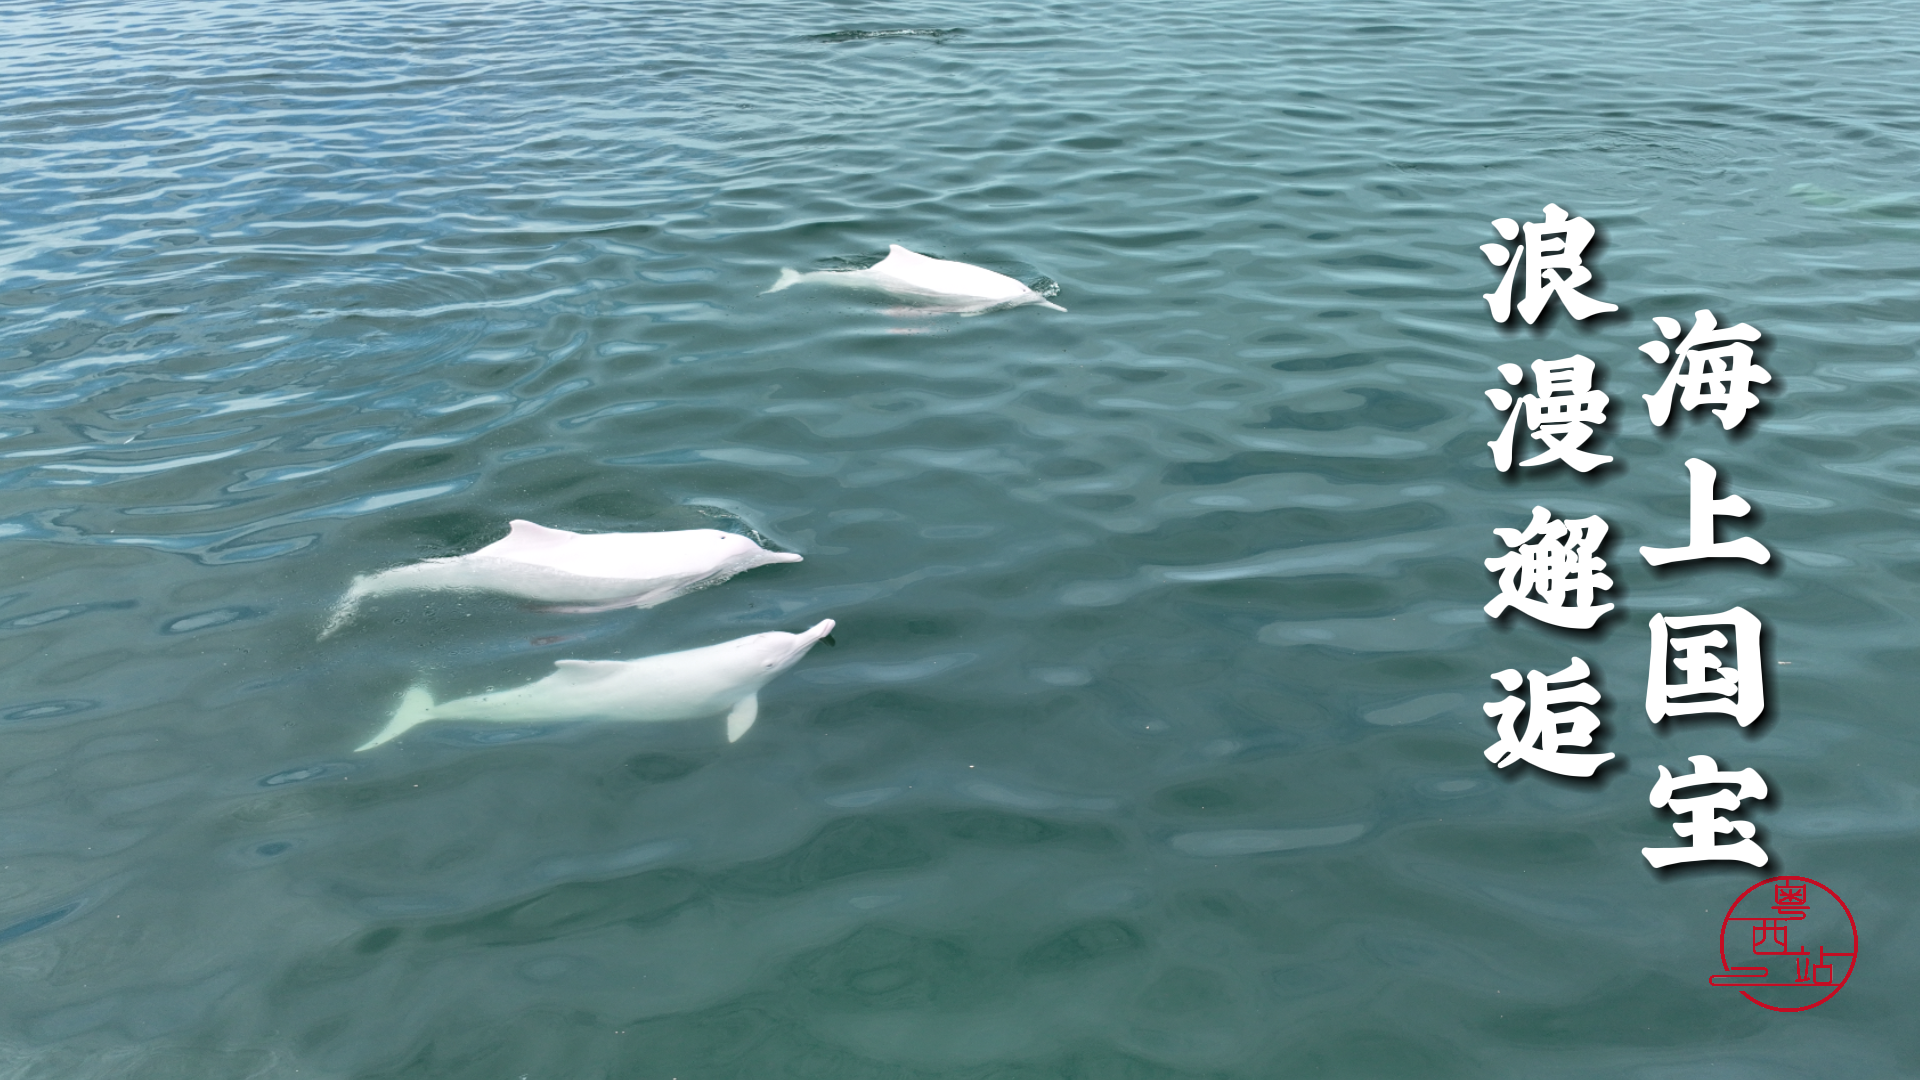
[(948, 285)]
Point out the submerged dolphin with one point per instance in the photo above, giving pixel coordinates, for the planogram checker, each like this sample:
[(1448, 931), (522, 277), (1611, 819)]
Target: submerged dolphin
[(723, 678), (934, 283), (1886, 206), (577, 571)]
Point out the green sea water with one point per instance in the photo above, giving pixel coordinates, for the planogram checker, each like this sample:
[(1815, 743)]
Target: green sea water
[(1151, 743)]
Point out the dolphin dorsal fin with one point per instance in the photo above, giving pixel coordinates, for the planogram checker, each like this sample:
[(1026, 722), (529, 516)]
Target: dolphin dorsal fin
[(902, 256), (587, 671), (524, 539)]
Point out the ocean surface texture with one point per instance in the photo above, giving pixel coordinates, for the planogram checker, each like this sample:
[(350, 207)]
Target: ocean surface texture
[(1150, 746)]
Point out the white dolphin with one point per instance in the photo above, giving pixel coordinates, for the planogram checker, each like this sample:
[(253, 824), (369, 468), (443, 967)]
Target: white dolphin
[(939, 284), (723, 678), (577, 572)]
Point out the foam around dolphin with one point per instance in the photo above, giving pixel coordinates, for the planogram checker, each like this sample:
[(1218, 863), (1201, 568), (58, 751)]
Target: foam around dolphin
[(724, 678), (576, 572), (936, 284)]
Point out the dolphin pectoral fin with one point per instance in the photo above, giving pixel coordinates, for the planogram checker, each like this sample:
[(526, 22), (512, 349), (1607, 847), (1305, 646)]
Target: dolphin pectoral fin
[(651, 598), (1051, 304), (594, 609), (788, 278), (742, 717), (416, 707)]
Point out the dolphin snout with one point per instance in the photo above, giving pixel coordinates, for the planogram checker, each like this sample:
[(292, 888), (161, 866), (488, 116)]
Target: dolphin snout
[(816, 632), (782, 556)]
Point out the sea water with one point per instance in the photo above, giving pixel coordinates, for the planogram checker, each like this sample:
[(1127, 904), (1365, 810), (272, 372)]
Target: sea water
[(1151, 745)]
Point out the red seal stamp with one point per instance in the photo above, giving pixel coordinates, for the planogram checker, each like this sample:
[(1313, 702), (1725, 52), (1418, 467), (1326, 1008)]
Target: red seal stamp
[(1788, 944)]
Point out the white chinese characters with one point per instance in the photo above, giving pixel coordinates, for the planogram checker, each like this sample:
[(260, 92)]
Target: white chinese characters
[(1706, 824), (1552, 572), (1551, 252), (1714, 366), (1561, 412), (1702, 508), (1548, 730), (1698, 664), (1708, 685)]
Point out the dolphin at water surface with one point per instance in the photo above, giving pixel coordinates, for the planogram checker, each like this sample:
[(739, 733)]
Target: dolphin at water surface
[(935, 284), (577, 572), (723, 678)]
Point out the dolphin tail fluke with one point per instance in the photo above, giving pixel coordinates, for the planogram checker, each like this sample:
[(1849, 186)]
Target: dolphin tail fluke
[(416, 708), (742, 717), (343, 611), (788, 278)]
